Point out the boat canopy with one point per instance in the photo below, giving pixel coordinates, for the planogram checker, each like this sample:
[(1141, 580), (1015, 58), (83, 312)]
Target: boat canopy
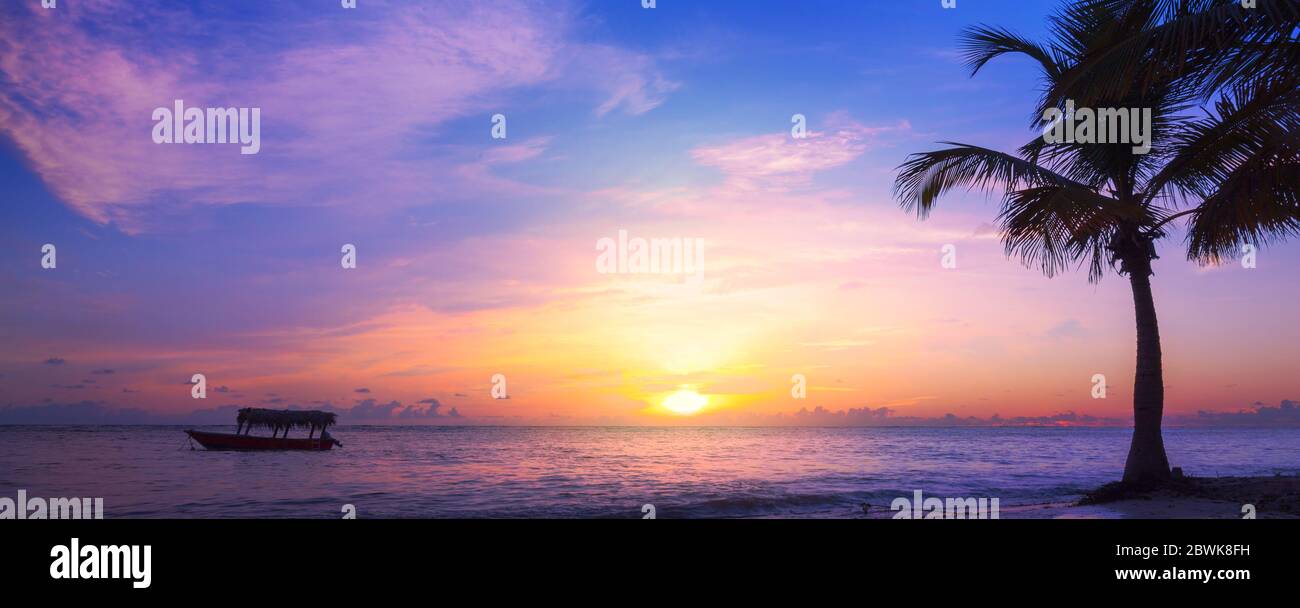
[(284, 419)]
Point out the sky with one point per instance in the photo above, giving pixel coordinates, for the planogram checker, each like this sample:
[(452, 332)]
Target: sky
[(479, 255)]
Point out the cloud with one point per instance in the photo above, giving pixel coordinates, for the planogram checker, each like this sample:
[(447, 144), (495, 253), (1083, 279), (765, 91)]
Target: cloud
[(434, 406), (361, 390), (54, 361), (884, 416), (516, 153), (99, 412), (630, 81), (103, 372), (1069, 328), (1286, 414), (778, 160), (430, 411), (355, 99), (370, 411)]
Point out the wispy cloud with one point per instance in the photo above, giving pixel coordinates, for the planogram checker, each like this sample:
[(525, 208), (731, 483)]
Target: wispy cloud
[(778, 160), (352, 99)]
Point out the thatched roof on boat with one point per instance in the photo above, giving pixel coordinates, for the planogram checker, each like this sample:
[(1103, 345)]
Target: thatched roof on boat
[(256, 416)]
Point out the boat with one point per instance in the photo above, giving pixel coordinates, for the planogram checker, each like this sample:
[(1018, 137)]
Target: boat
[(280, 422)]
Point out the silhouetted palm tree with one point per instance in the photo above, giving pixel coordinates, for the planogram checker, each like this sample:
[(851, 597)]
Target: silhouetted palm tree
[(1230, 172)]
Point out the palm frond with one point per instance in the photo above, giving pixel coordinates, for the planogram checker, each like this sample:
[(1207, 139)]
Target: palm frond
[(1258, 204), (1233, 168), (1196, 47), (926, 176), (1248, 120), (1053, 229), (981, 44)]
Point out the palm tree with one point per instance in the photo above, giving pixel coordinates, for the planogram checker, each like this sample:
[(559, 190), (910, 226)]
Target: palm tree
[(1228, 175)]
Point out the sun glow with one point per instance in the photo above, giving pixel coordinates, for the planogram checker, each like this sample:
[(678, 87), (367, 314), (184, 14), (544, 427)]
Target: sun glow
[(685, 402)]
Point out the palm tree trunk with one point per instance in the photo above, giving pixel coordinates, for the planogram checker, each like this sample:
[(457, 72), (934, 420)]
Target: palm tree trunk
[(1146, 455)]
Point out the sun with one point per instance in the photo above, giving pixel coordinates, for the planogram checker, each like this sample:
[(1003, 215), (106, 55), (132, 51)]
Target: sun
[(685, 402)]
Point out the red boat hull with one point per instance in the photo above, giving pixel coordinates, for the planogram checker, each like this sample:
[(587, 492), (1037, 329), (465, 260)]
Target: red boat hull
[(230, 441)]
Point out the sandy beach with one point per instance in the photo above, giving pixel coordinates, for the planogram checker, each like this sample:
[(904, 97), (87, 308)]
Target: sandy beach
[(1272, 497), (1276, 497)]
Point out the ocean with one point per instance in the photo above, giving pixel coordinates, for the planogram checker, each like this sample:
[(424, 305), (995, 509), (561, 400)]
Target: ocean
[(582, 472)]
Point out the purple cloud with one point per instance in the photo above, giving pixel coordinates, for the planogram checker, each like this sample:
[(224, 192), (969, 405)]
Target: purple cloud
[(354, 99)]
